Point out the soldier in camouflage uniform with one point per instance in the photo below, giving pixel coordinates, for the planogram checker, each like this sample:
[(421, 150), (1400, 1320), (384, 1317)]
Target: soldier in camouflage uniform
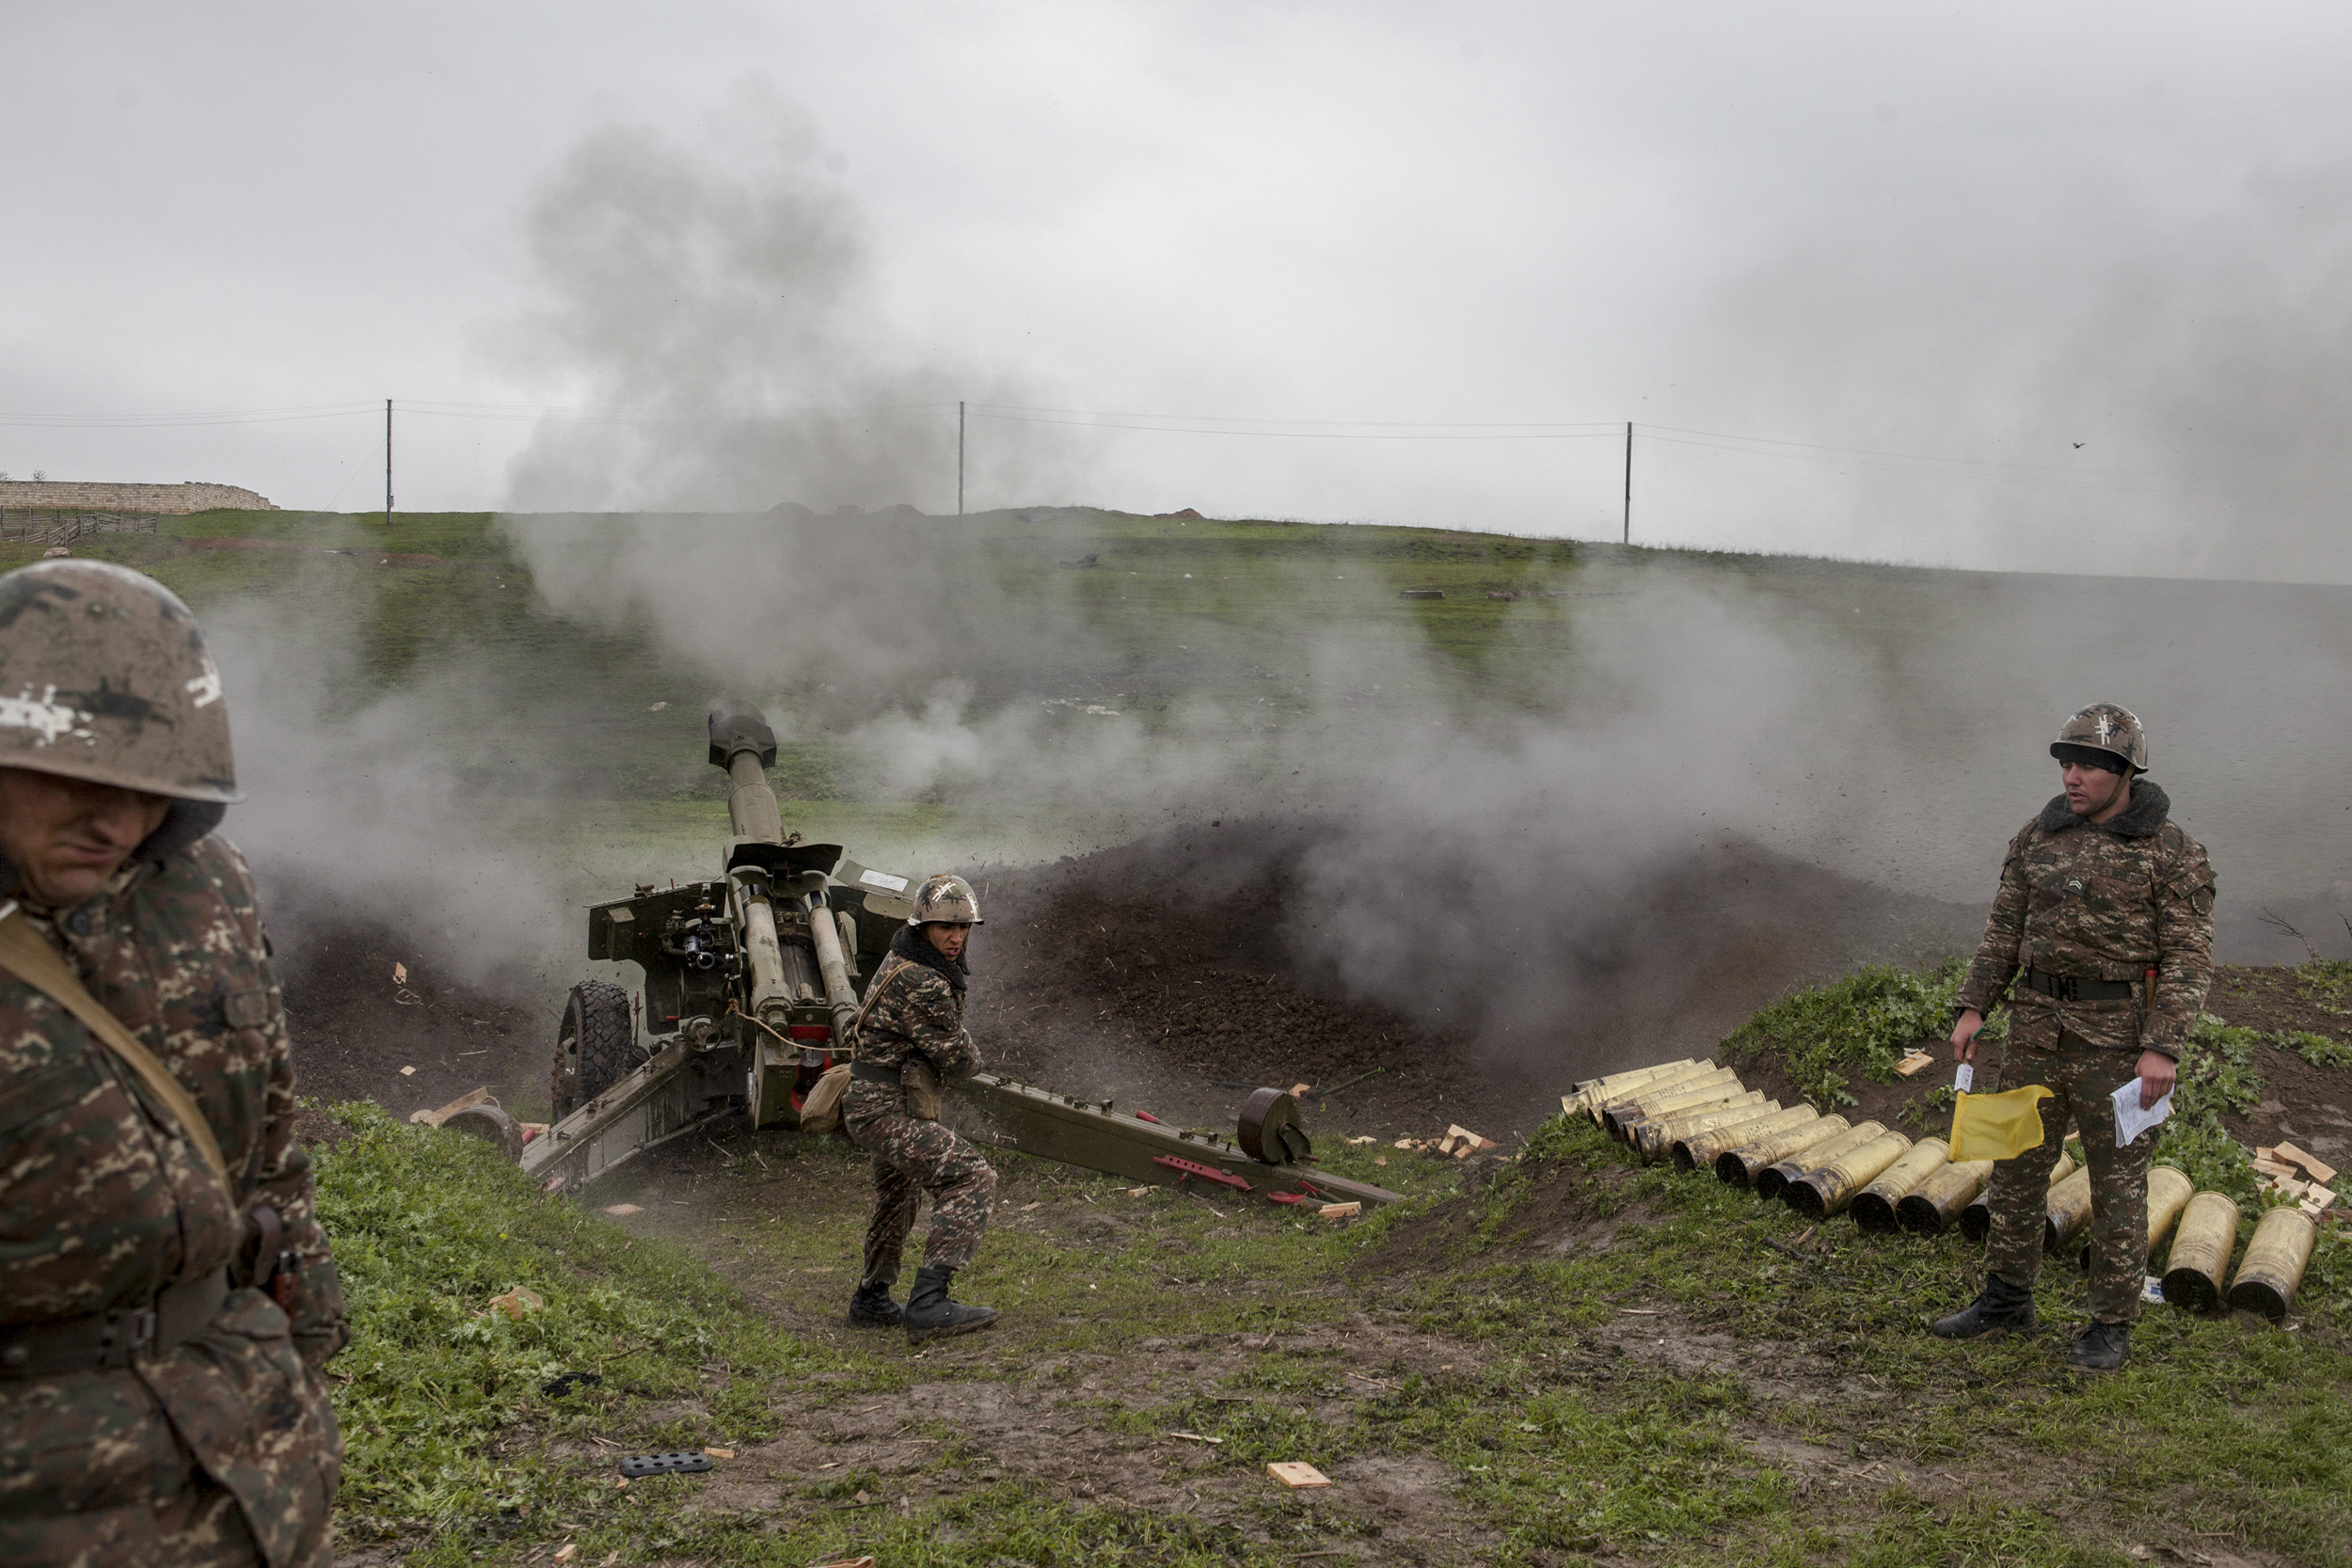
[(2105, 920), (909, 1035), (166, 1297)]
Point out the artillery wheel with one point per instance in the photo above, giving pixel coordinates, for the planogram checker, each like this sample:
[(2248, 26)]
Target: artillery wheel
[(595, 1048), (1269, 1128), (491, 1125)]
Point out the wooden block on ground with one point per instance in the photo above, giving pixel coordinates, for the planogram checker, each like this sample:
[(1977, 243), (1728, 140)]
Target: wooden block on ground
[(622, 1211), (1341, 1211), (1914, 1064), (2289, 1154), (2274, 1168), (433, 1118), (1295, 1475)]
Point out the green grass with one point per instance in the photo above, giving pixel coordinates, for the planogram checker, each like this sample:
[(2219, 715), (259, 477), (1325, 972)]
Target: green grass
[(1860, 1023), (2216, 1075), (437, 1389), (2318, 1049), (2237, 1424)]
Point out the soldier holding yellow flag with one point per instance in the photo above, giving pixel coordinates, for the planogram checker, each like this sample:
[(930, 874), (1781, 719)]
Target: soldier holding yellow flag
[(2105, 921)]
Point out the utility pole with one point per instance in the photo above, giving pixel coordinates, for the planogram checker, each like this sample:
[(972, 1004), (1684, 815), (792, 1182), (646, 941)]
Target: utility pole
[(959, 457), (388, 462), (1628, 482)]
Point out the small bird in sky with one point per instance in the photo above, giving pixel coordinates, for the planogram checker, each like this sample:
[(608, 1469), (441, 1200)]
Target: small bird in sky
[(2079, 446)]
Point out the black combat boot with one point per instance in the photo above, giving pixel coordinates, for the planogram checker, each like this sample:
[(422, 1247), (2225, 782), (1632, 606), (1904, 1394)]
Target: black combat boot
[(2002, 1306), (872, 1308), (930, 1314), (2101, 1348)]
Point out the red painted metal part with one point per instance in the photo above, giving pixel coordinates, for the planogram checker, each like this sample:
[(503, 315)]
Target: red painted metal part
[(1286, 1198), (1183, 1168), (1146, 1116)]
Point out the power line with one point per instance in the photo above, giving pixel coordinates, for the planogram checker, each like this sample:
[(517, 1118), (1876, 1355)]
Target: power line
[(214, 416), (2015, 474), (1745, 441), (1602, 427), (1499, 433)]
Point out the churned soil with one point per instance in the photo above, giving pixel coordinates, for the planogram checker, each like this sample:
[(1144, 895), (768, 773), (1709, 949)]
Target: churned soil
[(2306, 1105), (355, 1027), (1166, 973)]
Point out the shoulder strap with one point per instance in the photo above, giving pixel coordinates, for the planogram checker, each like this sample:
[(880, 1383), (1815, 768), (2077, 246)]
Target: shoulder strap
[(23, 954)]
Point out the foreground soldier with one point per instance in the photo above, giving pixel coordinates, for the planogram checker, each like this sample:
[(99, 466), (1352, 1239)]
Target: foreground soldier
[(910, 1034), (156, 1404), (2108, 907)]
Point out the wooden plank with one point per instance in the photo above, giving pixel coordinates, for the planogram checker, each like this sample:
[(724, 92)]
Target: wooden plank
[(2289, 1154), (1296, 1476)]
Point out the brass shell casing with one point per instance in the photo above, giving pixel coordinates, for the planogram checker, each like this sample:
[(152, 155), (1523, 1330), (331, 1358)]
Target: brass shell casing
[(2200, 1252), (1874, 1206), (2274, 1261)]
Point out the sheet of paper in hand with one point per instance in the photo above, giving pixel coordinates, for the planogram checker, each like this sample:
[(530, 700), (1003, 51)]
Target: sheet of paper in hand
[(2130, 1120)]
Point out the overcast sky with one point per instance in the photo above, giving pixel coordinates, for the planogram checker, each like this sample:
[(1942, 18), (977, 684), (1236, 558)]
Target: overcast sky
[(1972, 236)]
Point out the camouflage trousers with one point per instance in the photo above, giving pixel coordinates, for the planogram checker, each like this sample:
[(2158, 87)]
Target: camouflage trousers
[(2080, 1076), (912, 1158)]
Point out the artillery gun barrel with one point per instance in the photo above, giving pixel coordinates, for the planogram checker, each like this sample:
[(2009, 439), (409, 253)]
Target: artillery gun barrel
[(826, 936), (771, 994), (752, 807)]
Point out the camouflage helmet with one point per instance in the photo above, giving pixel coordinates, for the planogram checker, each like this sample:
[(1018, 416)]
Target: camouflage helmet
[(946, 899), (104, 676), (2104, 727)]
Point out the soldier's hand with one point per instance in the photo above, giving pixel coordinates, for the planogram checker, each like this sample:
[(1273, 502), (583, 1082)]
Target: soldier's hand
[(2156, 1073), (1964, 1036)]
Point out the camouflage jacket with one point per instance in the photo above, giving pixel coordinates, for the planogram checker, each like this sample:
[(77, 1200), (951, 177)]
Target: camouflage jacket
[(100, 1210), (2108, 901), (913, 1007)]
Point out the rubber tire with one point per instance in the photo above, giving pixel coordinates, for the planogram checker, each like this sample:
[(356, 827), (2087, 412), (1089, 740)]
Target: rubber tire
[(595, 1048)]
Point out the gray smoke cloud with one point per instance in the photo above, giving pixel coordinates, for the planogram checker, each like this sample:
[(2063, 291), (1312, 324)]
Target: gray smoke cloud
[(410, 809), (2112, 379), (718, 305)]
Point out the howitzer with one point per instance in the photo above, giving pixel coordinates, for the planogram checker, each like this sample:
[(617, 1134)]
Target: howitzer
[(751, 982)]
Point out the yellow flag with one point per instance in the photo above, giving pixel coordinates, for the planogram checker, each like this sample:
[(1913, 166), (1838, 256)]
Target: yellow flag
[(1998, 1126)]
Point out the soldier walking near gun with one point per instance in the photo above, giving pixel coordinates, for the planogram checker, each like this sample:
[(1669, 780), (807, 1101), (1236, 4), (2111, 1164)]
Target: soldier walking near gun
[(910, 1034), (166, 1297), (2105, 919)]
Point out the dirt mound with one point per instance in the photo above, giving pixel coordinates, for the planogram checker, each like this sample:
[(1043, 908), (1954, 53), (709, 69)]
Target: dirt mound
[(1168, 971), (1560, 1211), (354, 1026)]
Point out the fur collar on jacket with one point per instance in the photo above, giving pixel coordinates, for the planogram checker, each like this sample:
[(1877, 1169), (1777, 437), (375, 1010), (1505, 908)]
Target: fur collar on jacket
[(914, 946), (2142, 819)]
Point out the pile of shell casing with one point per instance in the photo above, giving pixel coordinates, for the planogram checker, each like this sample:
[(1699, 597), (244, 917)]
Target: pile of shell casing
[(1700, 1117)]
